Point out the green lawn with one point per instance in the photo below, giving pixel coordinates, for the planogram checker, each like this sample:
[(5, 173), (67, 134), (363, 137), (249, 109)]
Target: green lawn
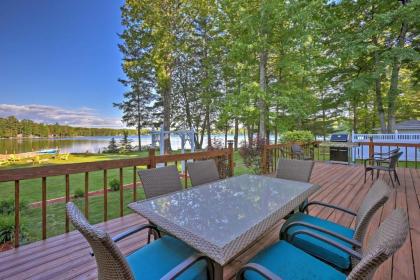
[(30, 191)]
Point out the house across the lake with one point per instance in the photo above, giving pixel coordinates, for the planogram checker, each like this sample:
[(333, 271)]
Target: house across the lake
[(410, 126)]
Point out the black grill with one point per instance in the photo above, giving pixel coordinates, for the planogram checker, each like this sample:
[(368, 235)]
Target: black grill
[(339, 138), (337, 152)]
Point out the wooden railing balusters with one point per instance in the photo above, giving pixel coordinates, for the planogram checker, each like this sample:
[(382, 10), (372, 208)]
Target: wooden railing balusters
[(134, 183), (121, 193), (185, 174), (67, 200), (44, 208), (105, 194), (87, 195), (17, 213)]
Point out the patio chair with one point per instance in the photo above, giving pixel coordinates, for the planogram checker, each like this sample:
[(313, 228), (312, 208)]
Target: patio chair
[(284, 261), (164, 258), (347, 237), (390, 167), (293, 169), (202, 172), (160, 181), (299, 153)]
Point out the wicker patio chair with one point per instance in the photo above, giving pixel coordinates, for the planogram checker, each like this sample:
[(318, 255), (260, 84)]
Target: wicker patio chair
[(160, 181), (375, 198), (284, 261), (164, 258), (390, 167), (292, 169), (202, 172)]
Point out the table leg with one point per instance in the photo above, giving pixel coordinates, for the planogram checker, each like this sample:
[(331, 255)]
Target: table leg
[(218, 271)]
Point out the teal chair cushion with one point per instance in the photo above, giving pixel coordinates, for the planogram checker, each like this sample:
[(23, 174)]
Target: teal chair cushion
[(156, 259), (317, 247), (289, 262)]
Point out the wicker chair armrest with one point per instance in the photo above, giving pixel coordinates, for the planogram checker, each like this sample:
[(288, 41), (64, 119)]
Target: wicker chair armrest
[(329, 232), (133, 230), (179, 269), (329, 241), (263, 271), (348, 211)]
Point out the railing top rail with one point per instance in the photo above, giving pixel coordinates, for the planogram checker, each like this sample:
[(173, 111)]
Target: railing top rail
[(392, 144), (7, 175)]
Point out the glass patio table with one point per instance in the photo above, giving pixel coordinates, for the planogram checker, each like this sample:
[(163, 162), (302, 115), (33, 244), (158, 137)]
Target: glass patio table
[(223, 218)]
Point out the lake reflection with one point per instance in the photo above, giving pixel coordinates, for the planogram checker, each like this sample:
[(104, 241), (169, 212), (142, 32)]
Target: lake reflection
[(91, 144)]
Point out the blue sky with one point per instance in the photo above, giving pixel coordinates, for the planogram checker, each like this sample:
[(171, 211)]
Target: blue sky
[(59, 60)]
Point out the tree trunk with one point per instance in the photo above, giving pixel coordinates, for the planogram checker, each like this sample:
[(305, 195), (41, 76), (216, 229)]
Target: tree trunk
[(396, 66), (236, 135), (378, 92), (261, 103), (166, 97), (208, 126), (139, 136), (226, 134)]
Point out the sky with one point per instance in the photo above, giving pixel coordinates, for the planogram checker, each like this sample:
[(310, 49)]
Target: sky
[(59, 61)]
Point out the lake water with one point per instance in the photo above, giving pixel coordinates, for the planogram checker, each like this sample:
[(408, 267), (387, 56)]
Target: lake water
[(91, 144)]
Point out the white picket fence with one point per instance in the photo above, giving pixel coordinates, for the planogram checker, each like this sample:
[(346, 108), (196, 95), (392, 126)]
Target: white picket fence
[(409, 153), (387, 138)]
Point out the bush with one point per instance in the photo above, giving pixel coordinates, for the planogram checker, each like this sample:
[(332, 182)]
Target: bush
[(78, 193), (7, 206), (7, 229), (251, 154), (303, 136), (114, 184)]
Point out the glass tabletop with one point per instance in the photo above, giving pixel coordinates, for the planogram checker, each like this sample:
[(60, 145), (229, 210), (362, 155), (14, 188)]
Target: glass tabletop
[(220, 212)]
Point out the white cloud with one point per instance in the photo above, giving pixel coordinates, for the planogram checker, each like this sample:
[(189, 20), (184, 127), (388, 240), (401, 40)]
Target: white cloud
[(84, 117)]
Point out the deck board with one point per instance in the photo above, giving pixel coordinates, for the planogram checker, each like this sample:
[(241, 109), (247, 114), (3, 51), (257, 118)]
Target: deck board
[(67, 256)]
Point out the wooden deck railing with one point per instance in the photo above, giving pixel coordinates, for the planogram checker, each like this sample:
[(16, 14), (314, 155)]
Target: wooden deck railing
[(271, 153), (224, 158)]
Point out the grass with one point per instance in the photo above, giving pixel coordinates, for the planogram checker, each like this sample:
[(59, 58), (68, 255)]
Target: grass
[(30, 191)]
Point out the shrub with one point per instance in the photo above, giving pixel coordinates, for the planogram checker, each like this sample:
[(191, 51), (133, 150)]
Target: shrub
[(78, 193), (114, 184), (7, 229), (7, 206), (303, 136), (251, 154)]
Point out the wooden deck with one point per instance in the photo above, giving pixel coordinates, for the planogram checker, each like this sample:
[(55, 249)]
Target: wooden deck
[(67, 256)]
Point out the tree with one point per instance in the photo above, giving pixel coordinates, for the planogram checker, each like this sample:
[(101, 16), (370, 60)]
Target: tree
[(125, 143), (112, 146), (136, 108)]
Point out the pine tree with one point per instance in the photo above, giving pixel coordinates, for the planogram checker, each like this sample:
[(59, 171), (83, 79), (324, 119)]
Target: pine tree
[(112, 147), (125, 143)]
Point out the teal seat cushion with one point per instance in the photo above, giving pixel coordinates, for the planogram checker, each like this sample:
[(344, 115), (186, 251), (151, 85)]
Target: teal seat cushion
[(156, 259), (317, 247), (291, 263)]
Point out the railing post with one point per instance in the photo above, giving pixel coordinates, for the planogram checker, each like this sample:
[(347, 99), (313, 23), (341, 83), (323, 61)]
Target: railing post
[(371, 147), (152, 158), (17, 213), (230, 158), (263, 158)]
